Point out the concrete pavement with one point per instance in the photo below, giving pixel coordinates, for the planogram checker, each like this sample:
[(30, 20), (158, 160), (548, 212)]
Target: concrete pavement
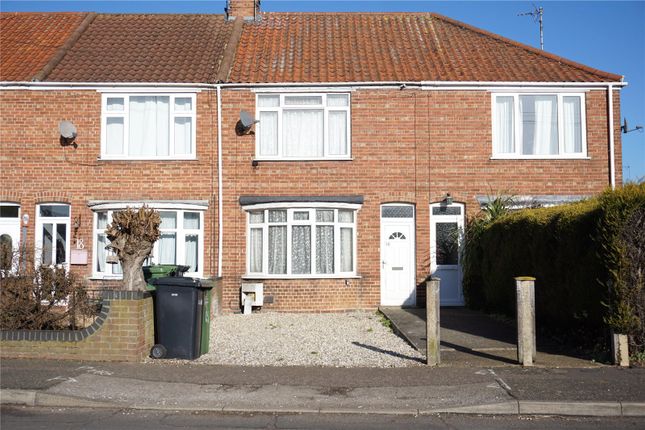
[(604, 391)]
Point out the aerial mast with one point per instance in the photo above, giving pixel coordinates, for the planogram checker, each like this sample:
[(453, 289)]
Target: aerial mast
[(537, 14)]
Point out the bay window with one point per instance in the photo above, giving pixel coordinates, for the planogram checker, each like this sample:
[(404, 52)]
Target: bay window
[(539, 126), (148, 126), (301, 242), (303, 126), (181, 242)]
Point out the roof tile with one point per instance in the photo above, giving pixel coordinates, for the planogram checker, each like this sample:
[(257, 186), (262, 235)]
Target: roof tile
[(363, 47), (29, 40), (147, 48)]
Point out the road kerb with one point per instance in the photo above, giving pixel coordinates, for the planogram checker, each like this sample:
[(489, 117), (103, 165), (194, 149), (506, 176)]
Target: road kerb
[(505, 408), (592, 409), (633, 409)]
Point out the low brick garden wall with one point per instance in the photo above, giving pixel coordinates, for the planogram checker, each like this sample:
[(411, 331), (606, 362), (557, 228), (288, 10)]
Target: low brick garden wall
[(123, 331)]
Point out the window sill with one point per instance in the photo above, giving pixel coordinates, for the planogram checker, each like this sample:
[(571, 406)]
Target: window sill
[(105, 278), (147, 159), (262, 160), (540, 157), (292, 277)]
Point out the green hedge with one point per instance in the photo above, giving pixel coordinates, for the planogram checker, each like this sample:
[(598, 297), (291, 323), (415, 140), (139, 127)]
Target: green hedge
[(575, 251)]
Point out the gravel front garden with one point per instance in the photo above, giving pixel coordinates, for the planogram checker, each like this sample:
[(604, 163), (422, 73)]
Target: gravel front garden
[(356, 339)]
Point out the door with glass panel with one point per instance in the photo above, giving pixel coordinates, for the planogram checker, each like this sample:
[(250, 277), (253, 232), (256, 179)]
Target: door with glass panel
[(446, 232), (52, 234), (9, 235), (397, 256)]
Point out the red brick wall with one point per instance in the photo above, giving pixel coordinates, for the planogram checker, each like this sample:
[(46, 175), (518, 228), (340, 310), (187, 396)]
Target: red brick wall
[(35, 168), (407, 146)]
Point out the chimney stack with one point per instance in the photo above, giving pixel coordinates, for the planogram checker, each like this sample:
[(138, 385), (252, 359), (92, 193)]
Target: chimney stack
[(245, 9)]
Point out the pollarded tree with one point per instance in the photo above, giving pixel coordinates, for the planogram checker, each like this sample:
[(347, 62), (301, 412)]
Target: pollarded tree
[(132, 235)]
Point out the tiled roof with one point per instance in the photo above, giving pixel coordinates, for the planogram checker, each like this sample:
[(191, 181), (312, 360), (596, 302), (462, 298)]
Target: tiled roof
[(364, 47), (147, 48), (29, 40)]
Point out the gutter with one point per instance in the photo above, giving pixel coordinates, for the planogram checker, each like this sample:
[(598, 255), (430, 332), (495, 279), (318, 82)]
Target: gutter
[(398, 84)]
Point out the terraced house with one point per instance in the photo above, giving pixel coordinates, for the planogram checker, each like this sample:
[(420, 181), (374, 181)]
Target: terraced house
[(332, 158)]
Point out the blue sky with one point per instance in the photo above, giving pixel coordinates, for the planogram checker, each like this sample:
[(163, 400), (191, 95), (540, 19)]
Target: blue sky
[(607, 35)]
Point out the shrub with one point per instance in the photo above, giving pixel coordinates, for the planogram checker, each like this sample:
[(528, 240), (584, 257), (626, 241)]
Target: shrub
[(587, 258), (42, 298)]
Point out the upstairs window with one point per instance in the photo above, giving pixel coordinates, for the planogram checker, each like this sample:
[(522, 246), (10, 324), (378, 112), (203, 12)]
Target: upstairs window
[(303, 126), (539, 126), (148, 126)]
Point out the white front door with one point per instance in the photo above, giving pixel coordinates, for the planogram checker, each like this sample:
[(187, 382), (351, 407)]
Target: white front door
[(446, 232), (9, 235), (397, 256)]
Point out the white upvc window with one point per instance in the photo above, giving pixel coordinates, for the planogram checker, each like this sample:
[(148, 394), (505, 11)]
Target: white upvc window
[(539, 125), (301, 242), (148, 126), (53, 234), (311, 126), (9, 236), (181, 242)]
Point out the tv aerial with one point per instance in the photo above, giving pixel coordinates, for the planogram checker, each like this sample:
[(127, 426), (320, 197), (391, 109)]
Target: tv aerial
[(537, 14), (68, 134)]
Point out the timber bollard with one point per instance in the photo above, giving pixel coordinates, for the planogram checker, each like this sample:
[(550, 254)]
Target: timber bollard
[(433, 356), (620, 349), (526, 345)]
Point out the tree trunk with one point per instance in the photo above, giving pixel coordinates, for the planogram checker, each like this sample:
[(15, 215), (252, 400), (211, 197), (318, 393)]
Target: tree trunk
[(132, 263)]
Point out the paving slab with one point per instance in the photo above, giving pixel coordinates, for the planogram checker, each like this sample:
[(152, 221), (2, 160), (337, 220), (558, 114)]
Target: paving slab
[(472, 338)]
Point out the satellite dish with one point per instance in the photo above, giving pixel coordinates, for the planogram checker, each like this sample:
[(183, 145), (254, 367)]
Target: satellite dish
[(67, 133), (245, 123)]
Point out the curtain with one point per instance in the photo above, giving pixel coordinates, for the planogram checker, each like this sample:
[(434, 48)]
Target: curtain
[(572, 125), (183, 136), (268, 133), (191, 247), (101, 253), (302, 133), (301, 249), (168, 248), (191, 220), (324, 215), (277, 249), (256, 251), (504, 139), (114, 136), (149, 123), (546, 139), (346, 250), (324, 249), (337, 133)]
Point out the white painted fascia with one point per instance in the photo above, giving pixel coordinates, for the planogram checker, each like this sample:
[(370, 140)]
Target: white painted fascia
[(178, 205), (303, 86)]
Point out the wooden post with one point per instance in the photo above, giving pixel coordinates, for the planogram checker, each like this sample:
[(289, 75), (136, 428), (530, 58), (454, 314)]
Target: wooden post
[(620, 349), (433, 356), (526, 345)]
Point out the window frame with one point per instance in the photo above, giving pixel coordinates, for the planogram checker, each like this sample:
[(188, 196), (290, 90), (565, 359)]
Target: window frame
[(311, 208), (180, 239), (40, 220), (125, 114), (280, 110), (9, 224), (517, 155)]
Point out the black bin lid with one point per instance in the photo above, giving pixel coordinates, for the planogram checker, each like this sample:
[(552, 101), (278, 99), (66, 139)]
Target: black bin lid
[(175, 281)]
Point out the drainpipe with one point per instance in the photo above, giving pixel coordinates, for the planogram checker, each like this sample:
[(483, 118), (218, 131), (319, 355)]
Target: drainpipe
[(612, 160), (219, 182)]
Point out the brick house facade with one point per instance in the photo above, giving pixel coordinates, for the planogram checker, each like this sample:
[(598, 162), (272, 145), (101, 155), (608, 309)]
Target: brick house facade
[(413, 142)]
